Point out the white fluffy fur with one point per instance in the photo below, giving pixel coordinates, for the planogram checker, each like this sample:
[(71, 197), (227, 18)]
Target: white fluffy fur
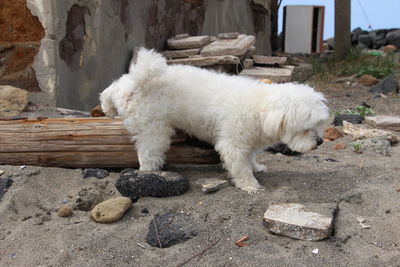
[(237, 115)]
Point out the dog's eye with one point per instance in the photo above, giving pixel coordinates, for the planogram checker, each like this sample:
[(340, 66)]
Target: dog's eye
[(307, 132)]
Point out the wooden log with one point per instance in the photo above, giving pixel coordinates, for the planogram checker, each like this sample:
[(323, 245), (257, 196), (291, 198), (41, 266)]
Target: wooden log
[(85, 142)]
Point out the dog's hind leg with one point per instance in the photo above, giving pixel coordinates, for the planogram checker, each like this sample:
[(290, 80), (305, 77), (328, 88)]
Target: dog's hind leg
[(151, 146), (237, 162), (255, 165)]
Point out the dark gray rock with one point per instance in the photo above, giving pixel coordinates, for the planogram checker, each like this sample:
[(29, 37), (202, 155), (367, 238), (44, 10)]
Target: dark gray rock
[(365, 40), (283, 149), (352, 118), (136, 184), (393, 38), (170, 229), (387, 86), (5, 183), (377, 38), (355, 35), (96, 173)]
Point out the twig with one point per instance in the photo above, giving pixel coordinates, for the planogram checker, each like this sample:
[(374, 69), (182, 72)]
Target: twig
[(200, 253), (156, 230), (240, 243)]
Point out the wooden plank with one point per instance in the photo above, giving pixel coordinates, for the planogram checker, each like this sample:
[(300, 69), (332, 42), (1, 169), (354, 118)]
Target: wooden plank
[(85, 142)]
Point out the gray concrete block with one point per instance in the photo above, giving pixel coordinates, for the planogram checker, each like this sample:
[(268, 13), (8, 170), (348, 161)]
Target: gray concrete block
[(180, 53), (269, 60), (276, 75), (189, 42), (235, 47), (206, 61), (310, 222)]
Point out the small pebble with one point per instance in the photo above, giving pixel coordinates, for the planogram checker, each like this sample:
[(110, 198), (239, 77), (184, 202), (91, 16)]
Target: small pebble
[(1, 172), (65, 211), (361, 220), (145, 210), (315, 251)]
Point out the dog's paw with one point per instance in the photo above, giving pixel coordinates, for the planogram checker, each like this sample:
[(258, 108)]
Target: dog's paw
[(252, 189), (260, 168)]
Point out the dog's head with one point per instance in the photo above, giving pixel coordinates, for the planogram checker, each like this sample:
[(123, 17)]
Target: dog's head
[(115, 97), (297, 116)]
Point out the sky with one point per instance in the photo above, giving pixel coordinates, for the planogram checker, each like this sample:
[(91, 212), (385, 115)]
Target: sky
[(381, 14)]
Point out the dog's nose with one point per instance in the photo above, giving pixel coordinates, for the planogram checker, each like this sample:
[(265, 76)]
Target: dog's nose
[(319, 141)]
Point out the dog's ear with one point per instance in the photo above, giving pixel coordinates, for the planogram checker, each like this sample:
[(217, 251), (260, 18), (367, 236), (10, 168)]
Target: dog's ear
[(107, 104), (274, 123)]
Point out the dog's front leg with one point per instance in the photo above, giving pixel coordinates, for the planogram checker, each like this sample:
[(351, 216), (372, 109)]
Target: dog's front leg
[(256, 166), (237, 162), (151, 147)]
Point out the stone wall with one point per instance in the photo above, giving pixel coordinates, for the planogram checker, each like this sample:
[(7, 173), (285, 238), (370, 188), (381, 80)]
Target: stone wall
[(89, 43), (20, 35)]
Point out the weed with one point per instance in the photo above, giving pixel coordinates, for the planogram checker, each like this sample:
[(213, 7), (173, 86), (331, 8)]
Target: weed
[(357, 147)]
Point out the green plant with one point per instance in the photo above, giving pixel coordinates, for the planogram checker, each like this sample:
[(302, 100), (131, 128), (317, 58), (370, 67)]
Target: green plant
[(357, 147), (362, 111)]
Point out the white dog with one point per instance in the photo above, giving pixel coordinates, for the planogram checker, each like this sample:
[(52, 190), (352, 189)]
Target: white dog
[(237, 115)]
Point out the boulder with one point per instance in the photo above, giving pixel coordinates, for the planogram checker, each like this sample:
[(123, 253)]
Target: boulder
[(136, 184), (393, 38), (310, 222), (365, 40), (12, 101), (388, 85)]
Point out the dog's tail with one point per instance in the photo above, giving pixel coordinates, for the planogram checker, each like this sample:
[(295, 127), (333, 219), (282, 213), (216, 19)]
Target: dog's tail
[(147, 70)]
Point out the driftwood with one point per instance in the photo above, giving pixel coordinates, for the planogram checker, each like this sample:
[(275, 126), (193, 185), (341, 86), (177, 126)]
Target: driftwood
[(85, 142)]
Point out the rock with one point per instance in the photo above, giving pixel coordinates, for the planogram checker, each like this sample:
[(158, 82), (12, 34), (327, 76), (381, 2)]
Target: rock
[(88, 198), (311, 222), (248, 63), (96, 173), (339, 146), (283, 149), (360, 132), (251, 52), (276, 75), (365, 40), (170, 229), (208, 185), (228, 35), (181, 36), (377, 38), (136, 184), (180, 53), (385, 122), (367, 80), (302, 72), (1, 172), (266, 60), (5, 183), (393, 38), (331, 43), (352, 118), (386, 86), (389, 48), (97, 112), (188, 42), (12, 101), (65, 211), (206, 61), (332, 133), (378, 144), (111, 210), (234, 47)]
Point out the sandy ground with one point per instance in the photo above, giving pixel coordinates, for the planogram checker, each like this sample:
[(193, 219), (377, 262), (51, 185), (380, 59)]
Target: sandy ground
[(364, 185)]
